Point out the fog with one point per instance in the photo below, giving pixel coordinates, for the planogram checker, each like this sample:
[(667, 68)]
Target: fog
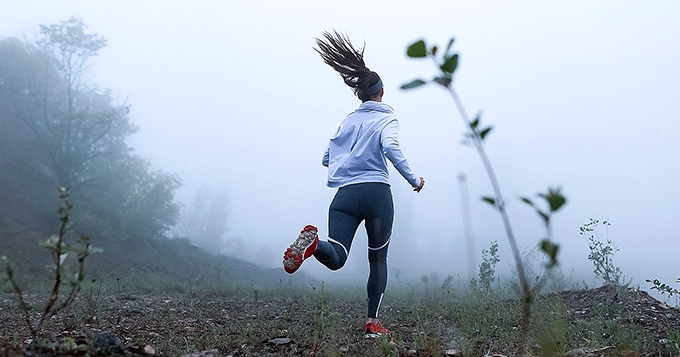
[(230, 95)]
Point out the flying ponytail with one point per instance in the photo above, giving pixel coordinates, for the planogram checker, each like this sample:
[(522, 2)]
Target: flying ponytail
[(337, 51)]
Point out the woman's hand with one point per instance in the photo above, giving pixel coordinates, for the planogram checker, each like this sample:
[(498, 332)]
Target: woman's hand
[(420, 187)]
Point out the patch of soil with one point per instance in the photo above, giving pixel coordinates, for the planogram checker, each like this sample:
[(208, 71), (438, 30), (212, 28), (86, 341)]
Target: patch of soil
[(626, 306), (267, 326)]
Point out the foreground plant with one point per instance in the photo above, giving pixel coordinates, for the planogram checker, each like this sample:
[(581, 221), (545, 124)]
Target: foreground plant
[(475, 136), (59, 250)]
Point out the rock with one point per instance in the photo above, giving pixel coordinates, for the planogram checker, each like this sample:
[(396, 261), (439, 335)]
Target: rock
[(206, 353), (453, 352), (587, 352), (280, 341), (107, 344)]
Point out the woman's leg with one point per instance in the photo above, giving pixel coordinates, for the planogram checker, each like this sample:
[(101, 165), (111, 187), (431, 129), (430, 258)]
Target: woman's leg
[(343, 221), (379, 219)]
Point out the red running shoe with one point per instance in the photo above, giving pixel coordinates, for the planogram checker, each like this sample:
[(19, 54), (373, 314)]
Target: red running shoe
[(375, 329), (303, 248)]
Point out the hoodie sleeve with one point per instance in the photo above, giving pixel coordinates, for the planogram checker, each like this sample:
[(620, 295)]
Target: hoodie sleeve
[(325, 159), (390, 144)]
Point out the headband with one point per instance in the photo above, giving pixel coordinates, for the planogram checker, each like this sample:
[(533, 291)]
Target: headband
[(375, 88)]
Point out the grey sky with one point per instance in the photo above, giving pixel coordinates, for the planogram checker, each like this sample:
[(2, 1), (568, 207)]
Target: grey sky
[(582, 95)]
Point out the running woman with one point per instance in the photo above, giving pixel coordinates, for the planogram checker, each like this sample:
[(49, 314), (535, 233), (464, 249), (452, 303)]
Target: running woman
[(357, 167)]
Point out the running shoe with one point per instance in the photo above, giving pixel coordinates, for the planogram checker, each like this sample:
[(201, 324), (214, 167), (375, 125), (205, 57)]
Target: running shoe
[(374, 330), (303, 248)]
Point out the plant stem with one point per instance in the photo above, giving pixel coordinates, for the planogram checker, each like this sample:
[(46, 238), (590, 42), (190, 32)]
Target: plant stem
[(500, 205)]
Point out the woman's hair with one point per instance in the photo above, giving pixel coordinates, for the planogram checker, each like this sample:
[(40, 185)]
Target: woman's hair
[(337, 51)]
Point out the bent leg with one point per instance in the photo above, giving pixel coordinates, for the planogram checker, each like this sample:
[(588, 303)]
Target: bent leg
[(331, 254), (343, 221)]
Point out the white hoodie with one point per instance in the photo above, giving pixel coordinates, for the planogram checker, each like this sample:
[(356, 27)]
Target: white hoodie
[(357, 151)]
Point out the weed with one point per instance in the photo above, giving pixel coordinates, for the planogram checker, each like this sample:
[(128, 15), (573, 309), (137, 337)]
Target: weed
[(397, 273), (94, 300), (663, 288), (552, 327), (320, 319), (602, 254), (673, 342), (192, 287), (487, 269), (60, 250), (475, 136)]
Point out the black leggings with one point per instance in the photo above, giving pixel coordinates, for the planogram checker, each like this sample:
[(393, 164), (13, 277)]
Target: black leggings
[(370, 202)]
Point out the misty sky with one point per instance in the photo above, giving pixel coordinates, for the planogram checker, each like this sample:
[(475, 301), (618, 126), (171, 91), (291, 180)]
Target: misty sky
[(583, 95)]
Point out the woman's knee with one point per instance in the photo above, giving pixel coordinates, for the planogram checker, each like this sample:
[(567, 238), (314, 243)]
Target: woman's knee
[(377, 256), (341, 255)]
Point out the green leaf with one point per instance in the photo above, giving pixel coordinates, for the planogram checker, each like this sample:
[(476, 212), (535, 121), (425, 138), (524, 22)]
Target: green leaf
[(556, 202), (51, 242), (484, 132), (413, 84), (445, 81), (450, 64), (446, 53), (554, 198), (551, 250), (489, 200), (475, 122), (417, 49), (527, 201)]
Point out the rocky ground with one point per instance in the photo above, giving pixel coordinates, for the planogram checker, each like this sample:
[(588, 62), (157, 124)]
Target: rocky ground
[(216, 325)]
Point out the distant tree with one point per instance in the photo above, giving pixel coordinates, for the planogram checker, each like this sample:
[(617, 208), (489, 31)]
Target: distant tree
[(82, 134), (205, 220), (133, 201), (46, 88)]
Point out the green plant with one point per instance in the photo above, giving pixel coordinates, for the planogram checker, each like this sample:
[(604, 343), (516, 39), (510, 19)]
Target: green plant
[(673, 342), (397, 273), (60, 251), (602, 253), (487, 269), (475, 136), (193, 286), (320, 318), (94, 300), (663, 288)]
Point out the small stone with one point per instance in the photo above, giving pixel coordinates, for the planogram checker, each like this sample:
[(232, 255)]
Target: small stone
[(453, 352), (149, 350), (280, 341)]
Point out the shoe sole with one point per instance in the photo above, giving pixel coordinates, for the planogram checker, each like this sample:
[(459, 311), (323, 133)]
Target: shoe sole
[(302, 248), (372, 335)]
